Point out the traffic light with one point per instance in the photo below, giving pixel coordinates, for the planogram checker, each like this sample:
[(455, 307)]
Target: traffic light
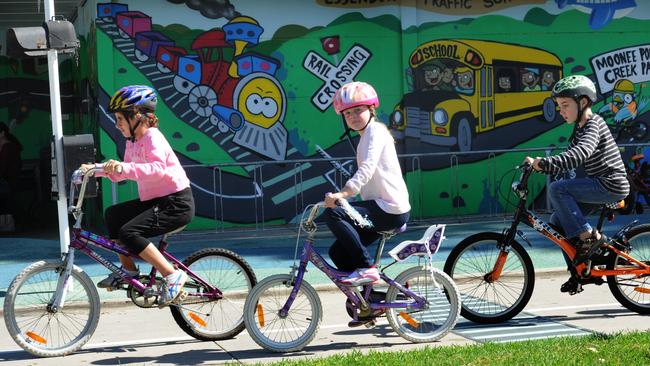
[(56, 34)]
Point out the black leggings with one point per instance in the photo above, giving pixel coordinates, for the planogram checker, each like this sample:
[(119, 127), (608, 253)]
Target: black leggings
[(132, 222), (349, 251)]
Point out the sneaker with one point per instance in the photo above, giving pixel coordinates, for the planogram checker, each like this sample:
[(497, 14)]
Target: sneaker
[(574, 286), (586, 248), (361, 276), (114, 280), (172, 287)]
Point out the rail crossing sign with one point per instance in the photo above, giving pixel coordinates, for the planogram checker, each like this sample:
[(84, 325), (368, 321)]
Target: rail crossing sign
[(334, 76)]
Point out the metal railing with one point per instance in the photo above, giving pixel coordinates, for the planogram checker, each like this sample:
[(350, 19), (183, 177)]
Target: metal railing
[(414, 165)]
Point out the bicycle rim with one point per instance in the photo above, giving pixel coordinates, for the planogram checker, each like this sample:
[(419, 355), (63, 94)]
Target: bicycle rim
[(492, 301), (440, 314), (208, 319), (282, 333), (43, 332), (631, 291)]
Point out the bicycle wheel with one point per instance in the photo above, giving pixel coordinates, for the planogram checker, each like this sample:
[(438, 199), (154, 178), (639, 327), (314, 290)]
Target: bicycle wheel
[(37, 328), (434, 321), (484, 300), (207, 319), (631, 291), (273, 331)]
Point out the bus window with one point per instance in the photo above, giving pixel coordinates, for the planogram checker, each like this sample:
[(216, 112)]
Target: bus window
[(465, 80), (549, 77), (505, 81), (530, 79), (436, 75)]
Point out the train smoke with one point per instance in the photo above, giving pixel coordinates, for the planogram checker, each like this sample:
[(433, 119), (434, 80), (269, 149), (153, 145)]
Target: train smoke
[(213, 9)]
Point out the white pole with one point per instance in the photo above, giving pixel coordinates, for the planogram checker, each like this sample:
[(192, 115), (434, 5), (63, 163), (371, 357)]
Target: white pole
[(57, 131)]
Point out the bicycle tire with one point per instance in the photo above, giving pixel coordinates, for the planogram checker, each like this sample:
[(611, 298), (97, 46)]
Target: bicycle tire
[(216, 319), (282, 334), (44, 333), (441, 314), (487, 302), (623, 287)]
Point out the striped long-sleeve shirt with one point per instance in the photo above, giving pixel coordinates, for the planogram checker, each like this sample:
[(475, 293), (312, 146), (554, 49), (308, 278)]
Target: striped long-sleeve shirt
[(594, 147)]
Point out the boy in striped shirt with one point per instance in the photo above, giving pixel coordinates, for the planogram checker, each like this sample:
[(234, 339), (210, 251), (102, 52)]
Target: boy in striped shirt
[(591, 145)]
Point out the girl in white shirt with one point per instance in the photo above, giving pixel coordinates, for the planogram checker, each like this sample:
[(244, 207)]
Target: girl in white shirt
[(379, 181)]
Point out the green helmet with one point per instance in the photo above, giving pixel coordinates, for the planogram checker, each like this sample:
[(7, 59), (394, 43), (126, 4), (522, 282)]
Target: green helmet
[(575, 86)]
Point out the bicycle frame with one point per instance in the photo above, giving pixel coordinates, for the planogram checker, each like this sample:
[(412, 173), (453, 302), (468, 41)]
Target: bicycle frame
[(523, 215), (310, 255), (82, 240)]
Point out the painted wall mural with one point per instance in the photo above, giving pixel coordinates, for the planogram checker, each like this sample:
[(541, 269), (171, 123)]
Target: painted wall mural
[(246, 95)]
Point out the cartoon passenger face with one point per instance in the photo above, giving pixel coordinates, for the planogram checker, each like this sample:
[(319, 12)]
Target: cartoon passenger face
[(447, 75), (548, 79), (530, 79), (505, 83), (465, 80), (261, 102), (433, 76)]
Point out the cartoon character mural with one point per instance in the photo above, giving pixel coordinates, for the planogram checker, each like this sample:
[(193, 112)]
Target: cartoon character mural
[(616, 73), (509, 92), (240, 95), (250, 98)]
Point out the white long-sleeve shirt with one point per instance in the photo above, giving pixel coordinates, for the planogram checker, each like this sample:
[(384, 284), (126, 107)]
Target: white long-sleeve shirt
[(379, 176)]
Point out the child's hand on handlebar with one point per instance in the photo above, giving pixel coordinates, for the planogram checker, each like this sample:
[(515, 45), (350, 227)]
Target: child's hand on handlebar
[(84, 168), (331, 198), (533, 162), (112, 166)]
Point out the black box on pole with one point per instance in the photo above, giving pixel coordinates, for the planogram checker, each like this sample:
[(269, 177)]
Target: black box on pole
[(77, 150)]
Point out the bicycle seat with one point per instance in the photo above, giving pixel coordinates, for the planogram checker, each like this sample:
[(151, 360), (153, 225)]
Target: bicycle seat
[(431, 238), (393, 232), (175, 231)]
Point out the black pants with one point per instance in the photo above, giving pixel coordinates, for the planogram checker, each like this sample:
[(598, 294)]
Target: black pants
[(349, 250), (132, 222)]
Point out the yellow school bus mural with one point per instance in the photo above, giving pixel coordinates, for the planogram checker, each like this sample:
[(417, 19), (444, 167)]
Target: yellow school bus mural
[(462, 88)]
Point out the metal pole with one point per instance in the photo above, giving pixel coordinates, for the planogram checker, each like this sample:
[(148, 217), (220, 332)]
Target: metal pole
[(57, 131)]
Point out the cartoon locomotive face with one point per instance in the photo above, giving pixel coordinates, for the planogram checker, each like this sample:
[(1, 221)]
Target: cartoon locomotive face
[(261, 102)]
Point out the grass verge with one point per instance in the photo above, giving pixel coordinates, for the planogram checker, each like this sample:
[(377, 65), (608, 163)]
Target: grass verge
[(598, 349)]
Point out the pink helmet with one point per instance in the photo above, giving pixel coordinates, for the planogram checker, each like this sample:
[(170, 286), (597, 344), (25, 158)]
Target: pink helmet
[(354, 94)]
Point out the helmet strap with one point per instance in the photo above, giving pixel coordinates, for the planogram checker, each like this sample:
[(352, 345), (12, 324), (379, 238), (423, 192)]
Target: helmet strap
[(132, 129), (581, 110)]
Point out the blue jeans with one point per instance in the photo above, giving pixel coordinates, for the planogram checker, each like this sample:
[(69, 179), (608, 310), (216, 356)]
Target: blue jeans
[(349, 250), (573, 198)]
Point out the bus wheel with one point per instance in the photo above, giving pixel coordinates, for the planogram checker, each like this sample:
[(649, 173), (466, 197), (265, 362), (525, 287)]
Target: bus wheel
[(464, 134), (548, 108)]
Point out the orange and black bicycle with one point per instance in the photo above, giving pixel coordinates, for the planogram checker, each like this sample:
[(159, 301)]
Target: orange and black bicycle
[(495, 274)]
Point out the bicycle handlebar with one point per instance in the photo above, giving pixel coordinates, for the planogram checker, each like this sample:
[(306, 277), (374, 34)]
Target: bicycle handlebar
[(356, 217), (80, 177)]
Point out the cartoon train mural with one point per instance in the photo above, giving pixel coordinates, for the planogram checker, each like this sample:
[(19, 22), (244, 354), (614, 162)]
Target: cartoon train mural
[(236, 102), (241, 95)]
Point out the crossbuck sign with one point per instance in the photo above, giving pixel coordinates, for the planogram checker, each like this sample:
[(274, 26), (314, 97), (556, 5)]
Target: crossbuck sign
[(334, 76)]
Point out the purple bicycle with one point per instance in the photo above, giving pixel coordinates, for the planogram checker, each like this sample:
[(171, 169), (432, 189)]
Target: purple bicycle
[(52, 307), (283, 312)]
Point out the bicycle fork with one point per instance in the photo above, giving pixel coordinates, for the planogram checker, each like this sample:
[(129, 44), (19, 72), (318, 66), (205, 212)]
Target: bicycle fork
[(64, 283)]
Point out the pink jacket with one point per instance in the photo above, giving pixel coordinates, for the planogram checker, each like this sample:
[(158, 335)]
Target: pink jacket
[(152, 163)]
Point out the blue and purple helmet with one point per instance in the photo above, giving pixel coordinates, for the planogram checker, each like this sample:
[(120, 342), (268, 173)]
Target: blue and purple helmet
[(131, 96)]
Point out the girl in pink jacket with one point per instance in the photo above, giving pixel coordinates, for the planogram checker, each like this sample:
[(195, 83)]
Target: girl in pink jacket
[(165, 202)]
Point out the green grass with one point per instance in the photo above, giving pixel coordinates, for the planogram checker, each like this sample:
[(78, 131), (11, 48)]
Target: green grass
[(619, 349)]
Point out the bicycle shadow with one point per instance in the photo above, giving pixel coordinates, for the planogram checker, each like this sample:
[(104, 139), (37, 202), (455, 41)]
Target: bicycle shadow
[(593, 314)]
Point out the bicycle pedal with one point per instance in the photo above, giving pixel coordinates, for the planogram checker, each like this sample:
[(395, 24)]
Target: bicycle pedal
[(181, 297)]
